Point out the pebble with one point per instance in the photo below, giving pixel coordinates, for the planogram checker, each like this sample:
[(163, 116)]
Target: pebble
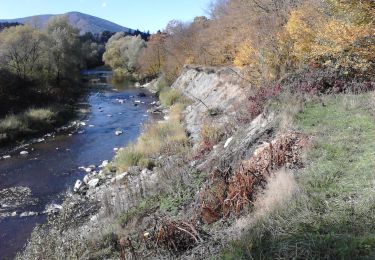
[(119, 132), (7, 157), (24, 153), (40, 140)]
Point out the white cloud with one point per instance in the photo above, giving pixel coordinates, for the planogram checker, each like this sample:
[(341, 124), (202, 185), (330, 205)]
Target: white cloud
[(104, 4)]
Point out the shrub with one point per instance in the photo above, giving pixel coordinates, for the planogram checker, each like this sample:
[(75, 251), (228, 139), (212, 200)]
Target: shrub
[(13, 123), (210, 136), (40, 115), (169, 96), (167, 137), (130, 156), (173, 202)]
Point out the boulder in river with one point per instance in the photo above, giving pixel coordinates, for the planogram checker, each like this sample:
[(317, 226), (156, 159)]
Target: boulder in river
[(118, 132), (28, 214)]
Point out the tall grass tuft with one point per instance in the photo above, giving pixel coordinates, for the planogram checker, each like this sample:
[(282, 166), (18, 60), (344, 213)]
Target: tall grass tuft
[(167, 137)]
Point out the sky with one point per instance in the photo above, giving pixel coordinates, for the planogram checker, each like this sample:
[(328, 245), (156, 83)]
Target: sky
[(144, 15)]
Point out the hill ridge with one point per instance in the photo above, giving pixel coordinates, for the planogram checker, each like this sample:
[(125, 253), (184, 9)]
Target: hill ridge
[(84, 22)]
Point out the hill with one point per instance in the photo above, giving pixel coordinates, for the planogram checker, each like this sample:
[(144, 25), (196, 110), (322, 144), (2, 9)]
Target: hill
[(84, 22)]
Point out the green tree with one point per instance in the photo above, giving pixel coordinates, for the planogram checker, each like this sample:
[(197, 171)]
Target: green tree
[(20, 50), (63, 51), (122, 52)]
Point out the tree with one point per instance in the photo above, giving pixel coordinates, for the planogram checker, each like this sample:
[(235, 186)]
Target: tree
[(62, 51), (20, 50), (152, 58), (122, 52)]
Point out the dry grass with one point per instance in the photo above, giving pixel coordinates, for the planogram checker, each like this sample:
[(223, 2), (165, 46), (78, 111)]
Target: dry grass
[(30, 122), (281, 187), (41, 114), (245, 182), (168, 137), (11, 123)]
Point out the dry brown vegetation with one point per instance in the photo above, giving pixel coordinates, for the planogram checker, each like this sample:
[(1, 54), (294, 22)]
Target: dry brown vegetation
[(231, 192), (269, 38)]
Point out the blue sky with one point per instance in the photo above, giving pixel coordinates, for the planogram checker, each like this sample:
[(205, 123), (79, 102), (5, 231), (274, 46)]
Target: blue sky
[(136, 14)]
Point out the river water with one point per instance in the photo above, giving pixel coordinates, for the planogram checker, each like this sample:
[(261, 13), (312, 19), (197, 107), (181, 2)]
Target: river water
[(51, 167)]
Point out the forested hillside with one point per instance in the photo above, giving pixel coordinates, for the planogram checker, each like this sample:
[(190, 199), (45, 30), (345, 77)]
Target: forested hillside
[(40, 76)]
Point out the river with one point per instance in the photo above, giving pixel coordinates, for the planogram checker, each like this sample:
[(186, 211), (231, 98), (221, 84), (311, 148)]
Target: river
[(52, 166)]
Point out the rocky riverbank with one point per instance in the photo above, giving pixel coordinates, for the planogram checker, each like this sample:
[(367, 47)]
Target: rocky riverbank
[(163, 209)]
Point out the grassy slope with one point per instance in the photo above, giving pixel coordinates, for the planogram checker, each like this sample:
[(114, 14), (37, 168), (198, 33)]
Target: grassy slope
[(333, 216)]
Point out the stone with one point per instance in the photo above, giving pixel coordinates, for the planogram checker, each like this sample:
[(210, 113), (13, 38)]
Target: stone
[(228, 142), (78, 185), (7, 157), (118, 133), (28, 214), (24, 153), (14, 214), (93, 183), (86, 179), (104, 164)]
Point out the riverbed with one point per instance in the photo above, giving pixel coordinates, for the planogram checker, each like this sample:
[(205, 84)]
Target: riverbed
[(51, 166)]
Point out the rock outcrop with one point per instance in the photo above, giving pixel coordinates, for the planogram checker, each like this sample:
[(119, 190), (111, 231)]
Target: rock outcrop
[(216, 93)]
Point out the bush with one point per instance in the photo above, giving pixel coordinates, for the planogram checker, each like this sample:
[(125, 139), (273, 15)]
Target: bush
[(167, 137), (168, 96), (40, 115), (26, 124), (210, 136)]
